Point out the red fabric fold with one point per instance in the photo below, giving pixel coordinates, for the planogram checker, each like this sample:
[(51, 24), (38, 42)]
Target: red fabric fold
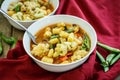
[(103, 15)]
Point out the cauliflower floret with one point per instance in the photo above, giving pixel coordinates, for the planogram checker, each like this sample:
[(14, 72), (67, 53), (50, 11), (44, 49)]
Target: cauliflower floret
[(31, 4), (74, 45), (68, 44), (48, 11), (76, 28), (74, 57), (71, 46), (23, 8), (38, 13), (43, 7), (14, 16), (26, 17), (40, 49), (48, 29), (47, 34), (61, 24), (64, 34), (71, 37), (79, 40), (78, 54), (54, 41), (56, 30), (61, 49), (56, 54), (65, 62), (62, 40), (47, 59), (17, 16), (50, 53)]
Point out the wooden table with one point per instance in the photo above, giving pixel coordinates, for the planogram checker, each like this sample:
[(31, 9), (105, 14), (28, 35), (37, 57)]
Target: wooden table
[(9, 31)]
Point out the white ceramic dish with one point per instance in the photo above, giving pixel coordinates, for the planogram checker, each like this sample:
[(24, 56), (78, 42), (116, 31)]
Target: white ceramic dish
[(55, 19), (6, 3)]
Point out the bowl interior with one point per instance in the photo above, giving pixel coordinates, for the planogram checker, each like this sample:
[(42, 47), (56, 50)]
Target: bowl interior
[(55, 19)]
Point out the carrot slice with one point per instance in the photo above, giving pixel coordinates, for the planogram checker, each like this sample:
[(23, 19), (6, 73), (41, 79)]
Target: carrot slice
[(69, 53), (77, 34), (63, 58)]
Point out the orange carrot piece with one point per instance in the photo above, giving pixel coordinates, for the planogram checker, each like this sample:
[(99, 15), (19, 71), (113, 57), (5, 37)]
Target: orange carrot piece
[(77, 34), (69, 53), (63, 58)]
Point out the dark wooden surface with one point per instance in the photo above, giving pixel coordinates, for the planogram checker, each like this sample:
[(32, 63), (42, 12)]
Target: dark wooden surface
[(9, 31)]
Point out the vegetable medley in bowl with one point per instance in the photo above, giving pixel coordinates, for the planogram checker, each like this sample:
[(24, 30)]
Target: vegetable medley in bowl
[(61, 43), (26, 10)]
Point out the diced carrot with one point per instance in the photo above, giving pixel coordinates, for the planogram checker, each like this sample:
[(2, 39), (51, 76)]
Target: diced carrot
[(69, 53), (63, 58), (77, 34)]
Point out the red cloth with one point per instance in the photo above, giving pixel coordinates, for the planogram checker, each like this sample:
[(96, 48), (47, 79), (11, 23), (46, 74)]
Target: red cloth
[(104, 16)]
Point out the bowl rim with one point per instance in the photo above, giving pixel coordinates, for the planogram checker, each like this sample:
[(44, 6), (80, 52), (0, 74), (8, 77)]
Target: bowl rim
[(58, 3), (58, 65)]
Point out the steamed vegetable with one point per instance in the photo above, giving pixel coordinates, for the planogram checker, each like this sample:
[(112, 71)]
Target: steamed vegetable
[(103, 62), (110, 57), (86, 43), (17, 8), (109, 48), (113, 57)]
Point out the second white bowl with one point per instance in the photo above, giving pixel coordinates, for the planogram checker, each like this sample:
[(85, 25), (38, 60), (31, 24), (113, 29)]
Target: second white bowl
[(6, 3)]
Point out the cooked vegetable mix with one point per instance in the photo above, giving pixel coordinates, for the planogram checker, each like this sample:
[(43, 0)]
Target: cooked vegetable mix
[(27, 10), (61, 43)]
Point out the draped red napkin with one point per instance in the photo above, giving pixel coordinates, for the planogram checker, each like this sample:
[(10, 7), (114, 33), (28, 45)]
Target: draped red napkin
[(103, 15)]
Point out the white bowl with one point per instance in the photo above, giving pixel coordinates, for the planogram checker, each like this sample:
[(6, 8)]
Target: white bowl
[(55, 19), (6, 3)]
